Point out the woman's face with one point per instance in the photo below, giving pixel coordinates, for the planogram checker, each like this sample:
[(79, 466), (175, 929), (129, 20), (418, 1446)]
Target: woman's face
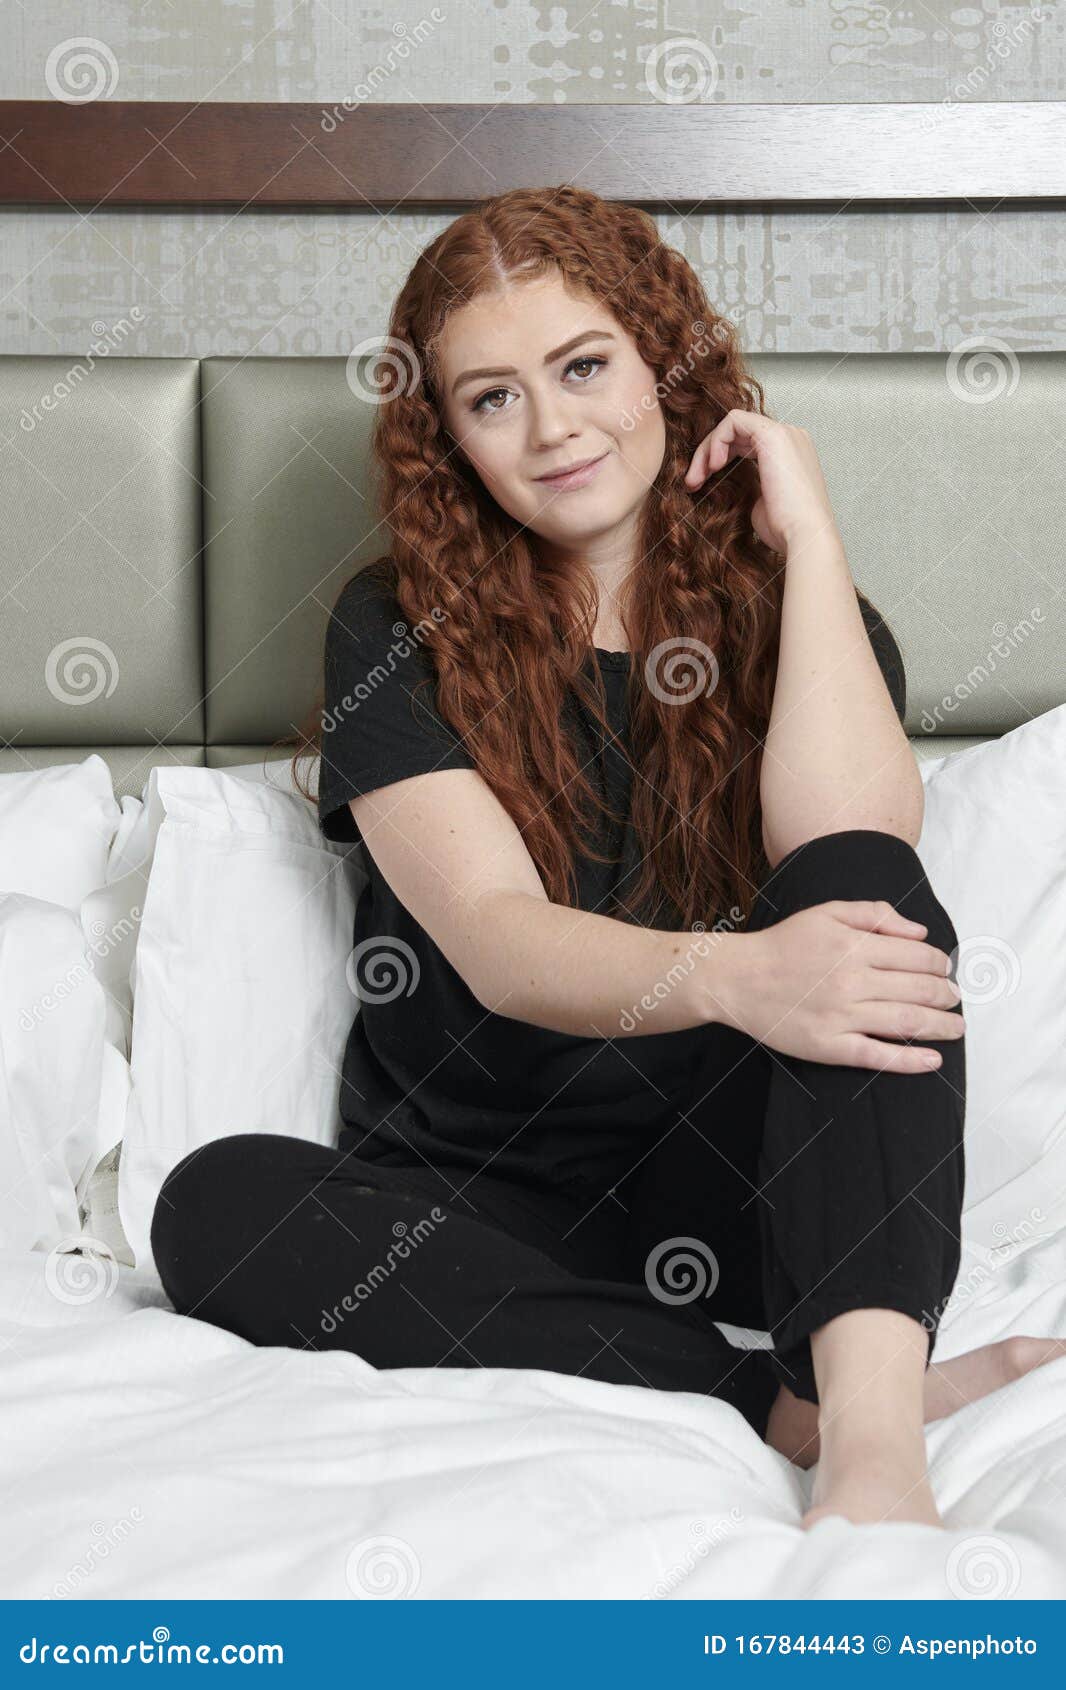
[(520, 409)]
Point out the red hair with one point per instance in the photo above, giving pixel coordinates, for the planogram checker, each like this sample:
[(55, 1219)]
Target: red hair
[(701, 606)]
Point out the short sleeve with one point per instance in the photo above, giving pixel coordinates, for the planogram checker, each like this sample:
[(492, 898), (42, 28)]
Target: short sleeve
[(380, 721), (887, 653)]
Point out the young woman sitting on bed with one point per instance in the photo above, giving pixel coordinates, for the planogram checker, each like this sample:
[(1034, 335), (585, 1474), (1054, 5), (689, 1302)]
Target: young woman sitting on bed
[(656, 1026)]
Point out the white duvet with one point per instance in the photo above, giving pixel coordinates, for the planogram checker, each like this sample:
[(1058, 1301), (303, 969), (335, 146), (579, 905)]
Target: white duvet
[(146, 1454)]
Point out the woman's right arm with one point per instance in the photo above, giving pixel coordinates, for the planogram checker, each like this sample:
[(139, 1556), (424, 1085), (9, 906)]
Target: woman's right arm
[(455, 859)]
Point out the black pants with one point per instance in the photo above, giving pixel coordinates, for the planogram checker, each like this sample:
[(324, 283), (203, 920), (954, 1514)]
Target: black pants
[(788, 1192)]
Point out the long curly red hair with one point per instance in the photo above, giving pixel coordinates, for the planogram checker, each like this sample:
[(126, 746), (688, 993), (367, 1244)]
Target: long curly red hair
[(704, 595)]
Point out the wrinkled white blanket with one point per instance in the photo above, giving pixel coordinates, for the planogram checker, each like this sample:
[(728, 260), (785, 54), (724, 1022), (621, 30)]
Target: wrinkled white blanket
[(144, 1454)]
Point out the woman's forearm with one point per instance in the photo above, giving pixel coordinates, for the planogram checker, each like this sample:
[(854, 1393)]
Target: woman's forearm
[(836, 755), (591, 975)]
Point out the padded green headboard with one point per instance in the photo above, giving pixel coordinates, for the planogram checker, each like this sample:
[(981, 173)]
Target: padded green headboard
[(176, 530)]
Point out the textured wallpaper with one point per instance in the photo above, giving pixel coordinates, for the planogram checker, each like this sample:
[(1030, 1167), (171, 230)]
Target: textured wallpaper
[(202, 282)]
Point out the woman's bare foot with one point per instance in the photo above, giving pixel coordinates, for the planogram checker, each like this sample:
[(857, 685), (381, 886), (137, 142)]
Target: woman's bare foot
[(951, 1384), (792, 1428)]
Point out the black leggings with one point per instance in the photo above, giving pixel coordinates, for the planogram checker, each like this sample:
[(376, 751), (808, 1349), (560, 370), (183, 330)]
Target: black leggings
[(787, 1192)]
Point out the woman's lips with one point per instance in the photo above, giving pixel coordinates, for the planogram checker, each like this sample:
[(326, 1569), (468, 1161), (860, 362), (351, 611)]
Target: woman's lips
[(575, 478)]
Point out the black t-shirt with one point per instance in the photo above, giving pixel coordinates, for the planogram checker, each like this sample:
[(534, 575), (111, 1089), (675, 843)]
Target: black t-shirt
[(429, 1073)]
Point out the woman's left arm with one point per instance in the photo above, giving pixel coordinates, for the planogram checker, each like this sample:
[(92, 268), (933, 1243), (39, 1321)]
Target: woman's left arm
[(836, 754)]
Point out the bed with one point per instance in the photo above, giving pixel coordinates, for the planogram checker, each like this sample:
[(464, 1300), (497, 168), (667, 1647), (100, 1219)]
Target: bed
[(226, 511)]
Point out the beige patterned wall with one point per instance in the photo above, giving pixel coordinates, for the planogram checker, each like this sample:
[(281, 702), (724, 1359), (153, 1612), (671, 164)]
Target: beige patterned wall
[(287, 283)]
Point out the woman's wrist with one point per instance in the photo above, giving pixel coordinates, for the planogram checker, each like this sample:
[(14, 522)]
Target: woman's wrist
[(724, 980)]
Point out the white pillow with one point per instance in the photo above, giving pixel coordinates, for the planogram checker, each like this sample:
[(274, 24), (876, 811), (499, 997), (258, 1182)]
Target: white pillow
[(61, 1086), (111, 913), (241, 1006), (993, 844), (56, 828), (111, 919), (277, 773)]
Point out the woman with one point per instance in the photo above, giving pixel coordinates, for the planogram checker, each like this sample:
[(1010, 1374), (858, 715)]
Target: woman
[(610, 687)]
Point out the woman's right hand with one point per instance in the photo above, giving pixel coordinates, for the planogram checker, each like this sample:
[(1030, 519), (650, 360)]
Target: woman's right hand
[(832, 982)]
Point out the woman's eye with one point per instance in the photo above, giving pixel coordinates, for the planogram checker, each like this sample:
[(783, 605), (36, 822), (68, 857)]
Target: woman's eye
[(491, 394), (590, 360), (591, 363)]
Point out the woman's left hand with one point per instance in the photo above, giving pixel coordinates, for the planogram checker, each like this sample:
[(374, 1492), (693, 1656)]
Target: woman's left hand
[(793, 505)]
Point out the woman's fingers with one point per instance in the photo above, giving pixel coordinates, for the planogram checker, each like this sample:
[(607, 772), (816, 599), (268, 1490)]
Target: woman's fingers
[(898, 986), (863, 1052), (911, 956), (895, 1020), (897, 938), (698, 469)]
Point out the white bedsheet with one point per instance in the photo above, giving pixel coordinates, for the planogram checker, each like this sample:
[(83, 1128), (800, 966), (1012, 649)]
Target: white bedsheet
[(144, 1454)]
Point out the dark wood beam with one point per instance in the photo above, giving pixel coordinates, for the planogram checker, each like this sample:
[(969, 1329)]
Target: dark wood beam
[(118, 152)]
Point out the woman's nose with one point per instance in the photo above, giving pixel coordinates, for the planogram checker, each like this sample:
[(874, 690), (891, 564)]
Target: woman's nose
[(550, 423)]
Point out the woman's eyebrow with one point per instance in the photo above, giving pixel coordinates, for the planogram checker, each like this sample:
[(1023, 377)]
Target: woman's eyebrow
[(549, 358)]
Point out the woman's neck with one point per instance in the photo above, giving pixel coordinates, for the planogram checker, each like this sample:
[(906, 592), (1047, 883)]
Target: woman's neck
[(609, 635)]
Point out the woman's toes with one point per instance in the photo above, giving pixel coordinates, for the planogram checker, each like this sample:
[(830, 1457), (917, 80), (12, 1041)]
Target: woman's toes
[(1022, 1353)]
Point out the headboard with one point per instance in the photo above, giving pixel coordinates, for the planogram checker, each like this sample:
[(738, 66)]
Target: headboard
[(176, 530)]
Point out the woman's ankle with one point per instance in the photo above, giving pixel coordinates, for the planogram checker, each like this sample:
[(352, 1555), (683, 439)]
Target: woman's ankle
[(869, 1367), (866, 1420)]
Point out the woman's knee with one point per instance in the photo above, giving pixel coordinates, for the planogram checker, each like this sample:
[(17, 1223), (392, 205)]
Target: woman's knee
[(204, 1177), (859, 863), (207, 1203)]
